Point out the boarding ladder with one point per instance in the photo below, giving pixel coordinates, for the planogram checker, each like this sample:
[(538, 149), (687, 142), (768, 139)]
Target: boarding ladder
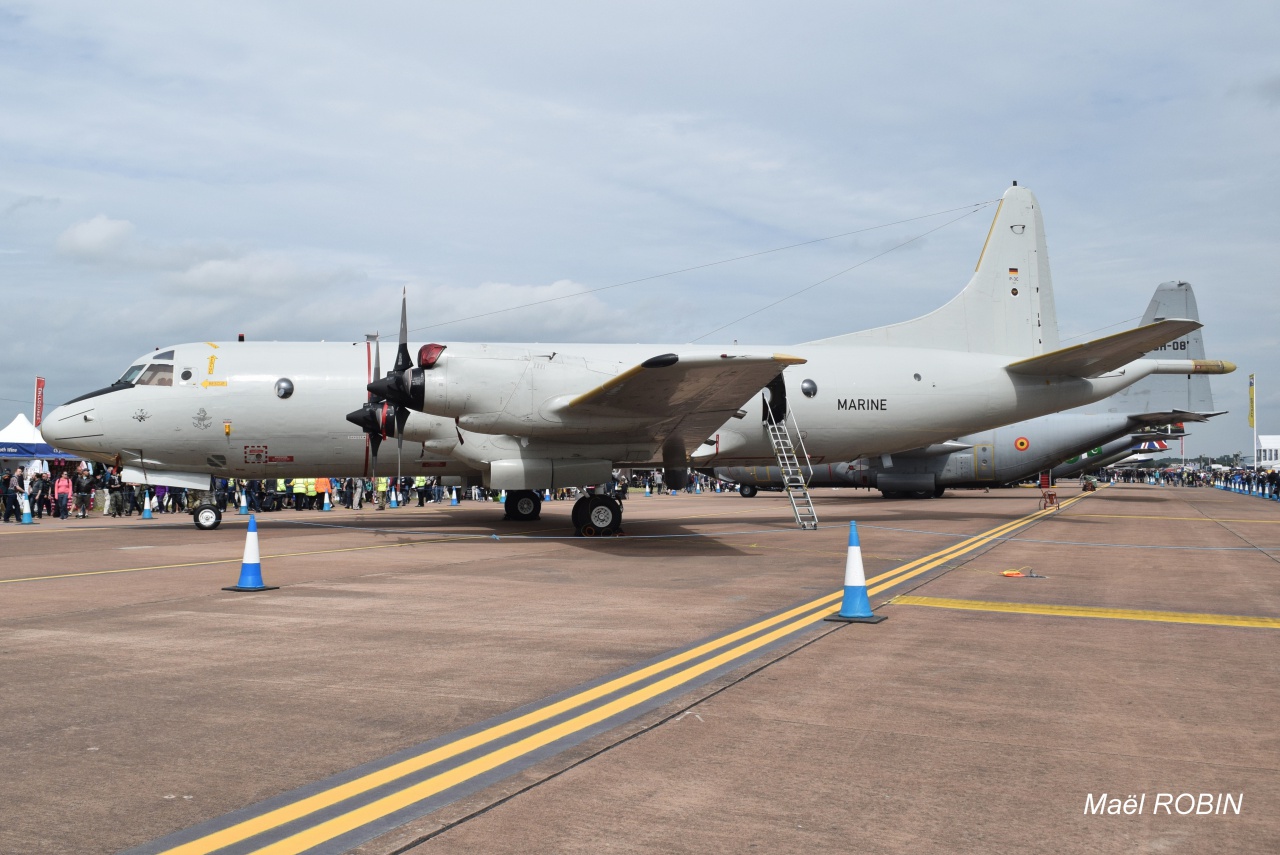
[(794, 481)]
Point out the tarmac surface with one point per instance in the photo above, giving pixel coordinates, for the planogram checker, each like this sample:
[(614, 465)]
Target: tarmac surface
[(674, 690)]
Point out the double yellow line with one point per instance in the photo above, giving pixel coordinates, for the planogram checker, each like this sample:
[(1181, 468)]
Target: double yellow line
[(784, 624), (731, 647)]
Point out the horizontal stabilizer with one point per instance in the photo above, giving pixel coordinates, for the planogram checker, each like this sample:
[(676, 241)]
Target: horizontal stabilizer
[(1104, 354)]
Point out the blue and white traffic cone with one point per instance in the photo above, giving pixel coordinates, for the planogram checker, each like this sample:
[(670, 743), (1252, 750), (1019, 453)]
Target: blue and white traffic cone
[(146, 505), (648, 491), (697, 487), (502, 496), (251, 566), (391, 494), (244, 503), (547, 496), (855, 607), (26, 509), (327, 506), (454, 501)]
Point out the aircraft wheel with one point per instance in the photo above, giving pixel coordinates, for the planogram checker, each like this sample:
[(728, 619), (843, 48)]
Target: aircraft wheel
[(921, 494), (207, 517), (890, 494), (523, 505), (747, 491), (597, 516), (605, 515), (938, 491)]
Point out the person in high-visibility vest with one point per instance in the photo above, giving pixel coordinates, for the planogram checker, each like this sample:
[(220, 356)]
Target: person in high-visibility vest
[(380, 487), (322, 487), (299, 493), (311, 493), (420, 485)]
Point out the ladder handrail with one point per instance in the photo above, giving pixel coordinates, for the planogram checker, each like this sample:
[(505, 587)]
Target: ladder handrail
[(803, 450)]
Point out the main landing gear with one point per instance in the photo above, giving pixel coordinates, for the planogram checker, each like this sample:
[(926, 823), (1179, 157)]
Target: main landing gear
[(597, 516), (523, 505), (747, 491)]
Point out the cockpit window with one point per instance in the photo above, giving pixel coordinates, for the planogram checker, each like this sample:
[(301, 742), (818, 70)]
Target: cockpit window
[(156, 375), (132, 374), (168, 354)]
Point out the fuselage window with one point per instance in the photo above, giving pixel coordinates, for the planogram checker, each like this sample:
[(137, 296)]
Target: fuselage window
[(132, 374), (168, 354), (156, 375)]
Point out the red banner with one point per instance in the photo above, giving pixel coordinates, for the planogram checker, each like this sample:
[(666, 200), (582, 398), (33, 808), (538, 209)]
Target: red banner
[(39, 413)]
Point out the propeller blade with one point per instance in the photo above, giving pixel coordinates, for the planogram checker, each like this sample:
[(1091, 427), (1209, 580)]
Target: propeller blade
[(401, 416), (377, 367), (403, 360)]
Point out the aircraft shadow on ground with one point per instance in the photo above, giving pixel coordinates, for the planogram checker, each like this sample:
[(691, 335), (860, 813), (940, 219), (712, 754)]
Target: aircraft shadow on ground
[(483, 525)]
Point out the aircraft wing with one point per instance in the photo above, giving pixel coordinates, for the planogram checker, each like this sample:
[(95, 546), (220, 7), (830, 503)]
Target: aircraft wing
[(935, 450), (673, 399), (1104, 354), (1172, 417)]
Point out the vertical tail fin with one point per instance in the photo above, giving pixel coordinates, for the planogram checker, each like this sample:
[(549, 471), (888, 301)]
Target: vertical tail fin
[(1162, 393), (1006, 308)]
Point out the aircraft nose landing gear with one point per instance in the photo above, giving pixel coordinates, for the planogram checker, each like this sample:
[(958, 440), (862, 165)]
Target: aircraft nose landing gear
[(597, 516)]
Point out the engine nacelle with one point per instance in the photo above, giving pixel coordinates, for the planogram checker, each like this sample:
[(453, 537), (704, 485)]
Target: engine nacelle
[(547, 474), (905, 483)]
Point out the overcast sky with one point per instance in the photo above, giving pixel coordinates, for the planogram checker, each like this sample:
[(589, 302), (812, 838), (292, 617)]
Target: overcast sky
[(172, 172)]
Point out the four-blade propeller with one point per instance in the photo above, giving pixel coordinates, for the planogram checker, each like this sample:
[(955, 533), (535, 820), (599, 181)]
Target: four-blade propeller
[(386, 411)]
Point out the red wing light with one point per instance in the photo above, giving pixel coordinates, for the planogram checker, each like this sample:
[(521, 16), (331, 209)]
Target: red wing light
[(428, 354)]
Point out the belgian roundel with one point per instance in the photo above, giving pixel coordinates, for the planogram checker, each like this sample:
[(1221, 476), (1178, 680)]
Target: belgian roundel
[(1021, 443)]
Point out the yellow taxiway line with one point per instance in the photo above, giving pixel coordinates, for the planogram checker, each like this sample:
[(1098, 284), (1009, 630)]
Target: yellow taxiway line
[(1087, 612), (1174, 519)]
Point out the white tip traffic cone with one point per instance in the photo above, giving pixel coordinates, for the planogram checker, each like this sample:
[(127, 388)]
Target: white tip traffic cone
[(855, 607), (251, 565)]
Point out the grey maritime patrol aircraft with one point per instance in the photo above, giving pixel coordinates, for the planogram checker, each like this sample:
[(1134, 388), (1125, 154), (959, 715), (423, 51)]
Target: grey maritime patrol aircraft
[(529, 417)]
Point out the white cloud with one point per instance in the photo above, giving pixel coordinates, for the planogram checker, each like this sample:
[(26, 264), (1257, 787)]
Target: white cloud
[(97, 240)]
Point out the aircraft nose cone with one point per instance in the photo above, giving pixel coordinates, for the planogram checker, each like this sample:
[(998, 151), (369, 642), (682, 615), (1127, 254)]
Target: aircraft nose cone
[(68, 428)]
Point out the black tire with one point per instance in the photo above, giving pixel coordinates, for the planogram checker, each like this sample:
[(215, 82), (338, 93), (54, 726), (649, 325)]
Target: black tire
[(523, 505), (891, 494), (207, 517), (747, 491), (579, 514), (938, 491)]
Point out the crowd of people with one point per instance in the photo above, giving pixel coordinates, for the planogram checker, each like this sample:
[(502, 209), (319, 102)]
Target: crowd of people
[(76, 491), (1262, 482)]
